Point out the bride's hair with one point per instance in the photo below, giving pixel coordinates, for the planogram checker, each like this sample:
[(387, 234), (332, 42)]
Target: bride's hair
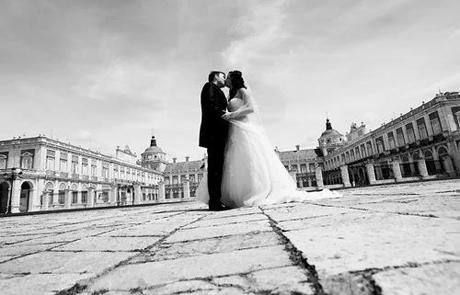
[(236, 78)]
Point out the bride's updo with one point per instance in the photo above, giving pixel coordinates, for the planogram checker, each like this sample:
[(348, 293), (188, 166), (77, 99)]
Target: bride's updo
[(236, 78)]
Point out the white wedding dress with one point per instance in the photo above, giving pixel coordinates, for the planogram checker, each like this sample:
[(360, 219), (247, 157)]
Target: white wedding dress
[(253, 174)]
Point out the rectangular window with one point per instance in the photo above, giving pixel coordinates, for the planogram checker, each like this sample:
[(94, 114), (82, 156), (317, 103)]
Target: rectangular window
[(363, 150), (74, 164), (435, 123), (84, 166), (74, 197), (303, 168), (191, 177), (105, 170), (410, 133), (93, 170), (391, 140), (61, 197), (422, 128), (175, 180), (400, 137), (115, 171), (50, 160), (27, 159), (380, 144), (3, 160), (456, 114), (84, 197), (105, 196)]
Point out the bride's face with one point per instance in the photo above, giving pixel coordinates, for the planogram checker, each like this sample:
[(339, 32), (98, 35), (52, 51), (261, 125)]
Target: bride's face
[(228, 82)]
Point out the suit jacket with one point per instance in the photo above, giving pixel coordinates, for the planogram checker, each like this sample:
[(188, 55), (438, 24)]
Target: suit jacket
[(213, 129)]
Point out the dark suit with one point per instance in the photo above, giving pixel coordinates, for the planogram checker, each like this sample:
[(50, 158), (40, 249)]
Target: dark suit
[(213, 136)]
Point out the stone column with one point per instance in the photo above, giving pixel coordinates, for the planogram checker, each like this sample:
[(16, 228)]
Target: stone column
[(16, 196), (137, 194), (55, 198), (79, 198), (437, 161), (371, 173), (46, 201), (186, 188), (67, 200), (429, 129), (345, 176), (449, 166), (161, 191), (451, 122), (396, 170), (90, 201), (113, 196), (319, 177), (422, 168)]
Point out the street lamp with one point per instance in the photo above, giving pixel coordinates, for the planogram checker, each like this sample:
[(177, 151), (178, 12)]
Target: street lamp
[(16, 173)]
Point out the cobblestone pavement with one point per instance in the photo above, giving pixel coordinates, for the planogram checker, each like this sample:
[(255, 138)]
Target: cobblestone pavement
[(397, 239)]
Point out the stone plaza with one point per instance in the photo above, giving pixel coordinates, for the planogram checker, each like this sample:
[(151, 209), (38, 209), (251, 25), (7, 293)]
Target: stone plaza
[(393, 239)]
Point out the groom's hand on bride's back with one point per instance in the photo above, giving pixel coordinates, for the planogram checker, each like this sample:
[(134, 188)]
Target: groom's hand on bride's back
[(227, 116)]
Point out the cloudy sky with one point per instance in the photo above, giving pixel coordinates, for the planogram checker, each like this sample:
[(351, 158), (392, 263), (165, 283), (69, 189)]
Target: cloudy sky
[(106, 73)]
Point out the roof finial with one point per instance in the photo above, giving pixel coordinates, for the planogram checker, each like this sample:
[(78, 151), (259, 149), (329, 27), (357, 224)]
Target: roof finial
[(153, 141), (328, 124)]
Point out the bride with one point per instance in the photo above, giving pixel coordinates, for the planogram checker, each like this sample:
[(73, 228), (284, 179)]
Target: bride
[(253, 173)]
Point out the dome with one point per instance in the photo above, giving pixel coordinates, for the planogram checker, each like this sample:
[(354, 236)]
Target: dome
[(331, 132), (153, 148)]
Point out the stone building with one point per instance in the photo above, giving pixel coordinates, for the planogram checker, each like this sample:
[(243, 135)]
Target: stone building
[(180, 178), (41, 173), (421, 144), (302, 164)]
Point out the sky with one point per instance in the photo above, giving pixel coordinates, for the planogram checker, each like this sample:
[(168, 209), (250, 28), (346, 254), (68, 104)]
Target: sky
[(102, 74)]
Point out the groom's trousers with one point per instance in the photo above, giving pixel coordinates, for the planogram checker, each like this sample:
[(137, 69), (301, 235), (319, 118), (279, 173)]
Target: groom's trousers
[(215, 169)]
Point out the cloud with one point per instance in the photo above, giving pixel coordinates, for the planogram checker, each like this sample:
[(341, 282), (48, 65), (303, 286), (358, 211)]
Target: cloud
[(129, 80), (255, 33)]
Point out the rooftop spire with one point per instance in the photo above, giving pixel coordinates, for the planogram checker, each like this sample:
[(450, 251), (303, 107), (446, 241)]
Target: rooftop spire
[(328, 124), (153, 141)]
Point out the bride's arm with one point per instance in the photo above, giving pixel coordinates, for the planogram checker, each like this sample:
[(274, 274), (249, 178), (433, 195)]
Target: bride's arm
[(245, 109)]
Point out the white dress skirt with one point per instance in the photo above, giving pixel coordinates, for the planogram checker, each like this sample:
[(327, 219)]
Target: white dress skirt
[(253, 174)]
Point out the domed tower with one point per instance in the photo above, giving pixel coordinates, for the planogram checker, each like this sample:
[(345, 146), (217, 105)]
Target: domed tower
[(330, 139), (153, 157)]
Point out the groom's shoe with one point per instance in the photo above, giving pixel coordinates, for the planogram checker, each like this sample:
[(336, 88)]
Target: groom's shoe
[(217, 207)]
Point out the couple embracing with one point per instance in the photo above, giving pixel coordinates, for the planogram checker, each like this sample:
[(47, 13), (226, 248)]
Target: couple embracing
[(243, 168)]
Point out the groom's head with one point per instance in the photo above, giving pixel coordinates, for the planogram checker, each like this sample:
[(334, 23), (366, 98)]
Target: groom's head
[(217, 78)]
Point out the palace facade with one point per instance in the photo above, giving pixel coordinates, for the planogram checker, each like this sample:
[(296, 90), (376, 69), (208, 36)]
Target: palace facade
[(41, 173), (421, 144), (181, 179)]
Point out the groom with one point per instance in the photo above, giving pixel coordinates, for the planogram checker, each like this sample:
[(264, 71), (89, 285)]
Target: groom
[(213, 134)]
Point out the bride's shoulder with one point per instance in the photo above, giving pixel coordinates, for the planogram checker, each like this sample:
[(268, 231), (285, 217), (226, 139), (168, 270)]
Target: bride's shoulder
[(243, 92)]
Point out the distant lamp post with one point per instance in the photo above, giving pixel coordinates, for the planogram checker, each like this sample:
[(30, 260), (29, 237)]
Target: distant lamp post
[(16, 173)]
